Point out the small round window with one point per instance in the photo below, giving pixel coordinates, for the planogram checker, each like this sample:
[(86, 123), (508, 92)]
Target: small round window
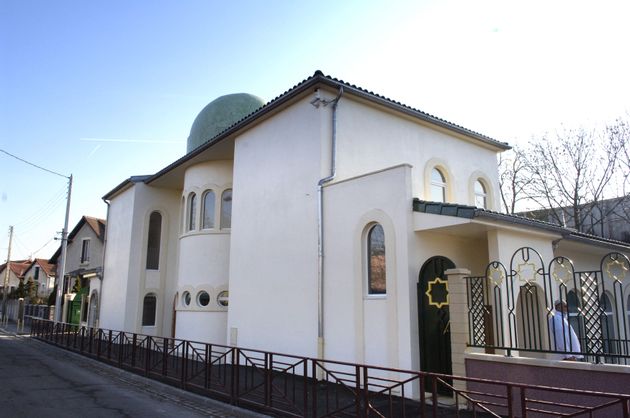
[(203, 298), (186, 298), (223, 298)]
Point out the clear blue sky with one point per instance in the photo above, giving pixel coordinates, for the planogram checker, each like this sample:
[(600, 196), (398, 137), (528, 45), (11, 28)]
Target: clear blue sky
[(109, 89)]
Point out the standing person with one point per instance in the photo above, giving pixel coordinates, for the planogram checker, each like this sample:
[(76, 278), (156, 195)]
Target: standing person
[(563, 337)]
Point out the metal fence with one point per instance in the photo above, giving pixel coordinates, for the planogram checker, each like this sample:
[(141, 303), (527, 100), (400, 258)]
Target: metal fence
[(513, 309), (288, 385)]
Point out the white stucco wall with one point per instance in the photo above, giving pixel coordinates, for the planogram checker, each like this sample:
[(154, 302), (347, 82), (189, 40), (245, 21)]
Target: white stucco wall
[(161, 282), (359, 327), (273, 251), (126, 280), (371, 139), (116, 280), (204, 257)]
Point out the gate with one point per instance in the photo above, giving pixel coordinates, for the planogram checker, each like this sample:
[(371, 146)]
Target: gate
[(514, 309)]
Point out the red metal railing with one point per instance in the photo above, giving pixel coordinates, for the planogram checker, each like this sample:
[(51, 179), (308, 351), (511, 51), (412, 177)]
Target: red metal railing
[(297, 386)]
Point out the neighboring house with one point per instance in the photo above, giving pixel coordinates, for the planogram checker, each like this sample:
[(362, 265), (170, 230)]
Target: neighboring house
[(83, 272), (609, 218), (16, 273), (330, 222), (43, 274)]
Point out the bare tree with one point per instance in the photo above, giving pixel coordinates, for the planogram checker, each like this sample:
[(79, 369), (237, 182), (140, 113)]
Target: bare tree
[(571, 177), (512, 179)]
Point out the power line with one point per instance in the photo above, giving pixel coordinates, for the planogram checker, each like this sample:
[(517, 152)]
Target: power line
[(34, 165)]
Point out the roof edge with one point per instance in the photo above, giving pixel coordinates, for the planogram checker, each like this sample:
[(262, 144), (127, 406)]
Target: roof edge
[(319, 78)]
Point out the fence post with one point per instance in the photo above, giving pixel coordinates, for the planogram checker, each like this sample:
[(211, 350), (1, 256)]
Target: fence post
[(134, 339), (458, 322), (523, 403), (147, 360), (357, 390), (510, 404), (268, 360), (184, 363), (366, 392), (208, 365), (109, 345), (165, 357), (121, 343), (434, 397), (314, 386), (422, 385)]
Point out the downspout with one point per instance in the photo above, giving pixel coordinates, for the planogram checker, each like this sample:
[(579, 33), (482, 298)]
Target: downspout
[(320, 220), (97, 324)]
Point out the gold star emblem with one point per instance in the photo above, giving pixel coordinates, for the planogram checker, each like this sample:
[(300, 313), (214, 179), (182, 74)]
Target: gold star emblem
[(528, 270), (443, 294), (496, 276), (616, 268), (561, 272)]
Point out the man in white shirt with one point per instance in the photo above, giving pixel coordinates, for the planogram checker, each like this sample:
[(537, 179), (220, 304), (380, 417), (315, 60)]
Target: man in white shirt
[(563, 337)]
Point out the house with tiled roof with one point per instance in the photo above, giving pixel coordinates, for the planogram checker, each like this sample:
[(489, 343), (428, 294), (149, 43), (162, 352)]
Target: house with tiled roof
[(15, 274), (336, 223), (83, 270), (42, 273)]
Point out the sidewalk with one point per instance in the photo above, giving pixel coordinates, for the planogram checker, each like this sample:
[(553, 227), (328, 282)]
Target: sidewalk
[(43, 380)]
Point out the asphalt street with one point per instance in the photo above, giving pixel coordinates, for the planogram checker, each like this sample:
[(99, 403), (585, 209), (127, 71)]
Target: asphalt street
[(40, 380)]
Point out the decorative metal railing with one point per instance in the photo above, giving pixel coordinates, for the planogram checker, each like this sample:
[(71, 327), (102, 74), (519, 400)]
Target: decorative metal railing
[(513, 309), (296, 386)]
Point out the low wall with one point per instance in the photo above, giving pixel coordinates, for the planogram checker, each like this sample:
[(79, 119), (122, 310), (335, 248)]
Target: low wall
[(589, 377)]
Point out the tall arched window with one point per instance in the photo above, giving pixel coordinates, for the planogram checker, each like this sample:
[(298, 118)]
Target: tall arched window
[(191, 225), (377, 282), (149, 307), (226, 209), (608, 327), (575, 319), (182, 211), (208, 210), (153, 241), (438, 186), (481, 196)]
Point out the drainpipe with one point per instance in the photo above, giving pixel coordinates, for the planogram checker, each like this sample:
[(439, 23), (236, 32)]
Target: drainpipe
[(97, 324), (320, 219)]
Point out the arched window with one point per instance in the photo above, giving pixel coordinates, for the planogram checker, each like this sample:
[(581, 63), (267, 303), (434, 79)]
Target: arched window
[(93, 315), (377, 283), (226, 209), (481, 196), (575, 319), (153, 241), (182, 210), (608, 328), (191, 212), (149, 307), (438, 186), (208, 210)]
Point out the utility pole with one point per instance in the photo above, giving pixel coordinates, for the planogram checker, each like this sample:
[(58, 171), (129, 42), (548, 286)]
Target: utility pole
[(5, 317), (64, 250)]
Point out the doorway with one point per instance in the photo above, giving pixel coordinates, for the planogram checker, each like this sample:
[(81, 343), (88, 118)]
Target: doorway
[(434, 319)]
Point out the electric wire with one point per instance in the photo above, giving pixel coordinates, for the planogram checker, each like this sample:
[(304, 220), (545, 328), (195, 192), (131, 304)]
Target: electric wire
[(43, 246), (33, 164), (33, 220)]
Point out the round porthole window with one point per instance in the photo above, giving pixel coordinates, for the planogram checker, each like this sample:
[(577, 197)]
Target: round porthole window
[(223, 298), (186, 298), (203, 298)]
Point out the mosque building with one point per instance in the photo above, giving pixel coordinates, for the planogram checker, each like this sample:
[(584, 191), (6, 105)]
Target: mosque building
[(320, 224)]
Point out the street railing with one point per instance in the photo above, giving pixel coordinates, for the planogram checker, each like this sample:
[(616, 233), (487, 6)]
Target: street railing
[(289, 385)]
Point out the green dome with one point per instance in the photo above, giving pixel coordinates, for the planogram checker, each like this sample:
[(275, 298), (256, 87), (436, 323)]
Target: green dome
[(219, 115)]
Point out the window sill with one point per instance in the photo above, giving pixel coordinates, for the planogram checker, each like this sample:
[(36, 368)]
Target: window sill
[(375, 297), (205, 232)]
